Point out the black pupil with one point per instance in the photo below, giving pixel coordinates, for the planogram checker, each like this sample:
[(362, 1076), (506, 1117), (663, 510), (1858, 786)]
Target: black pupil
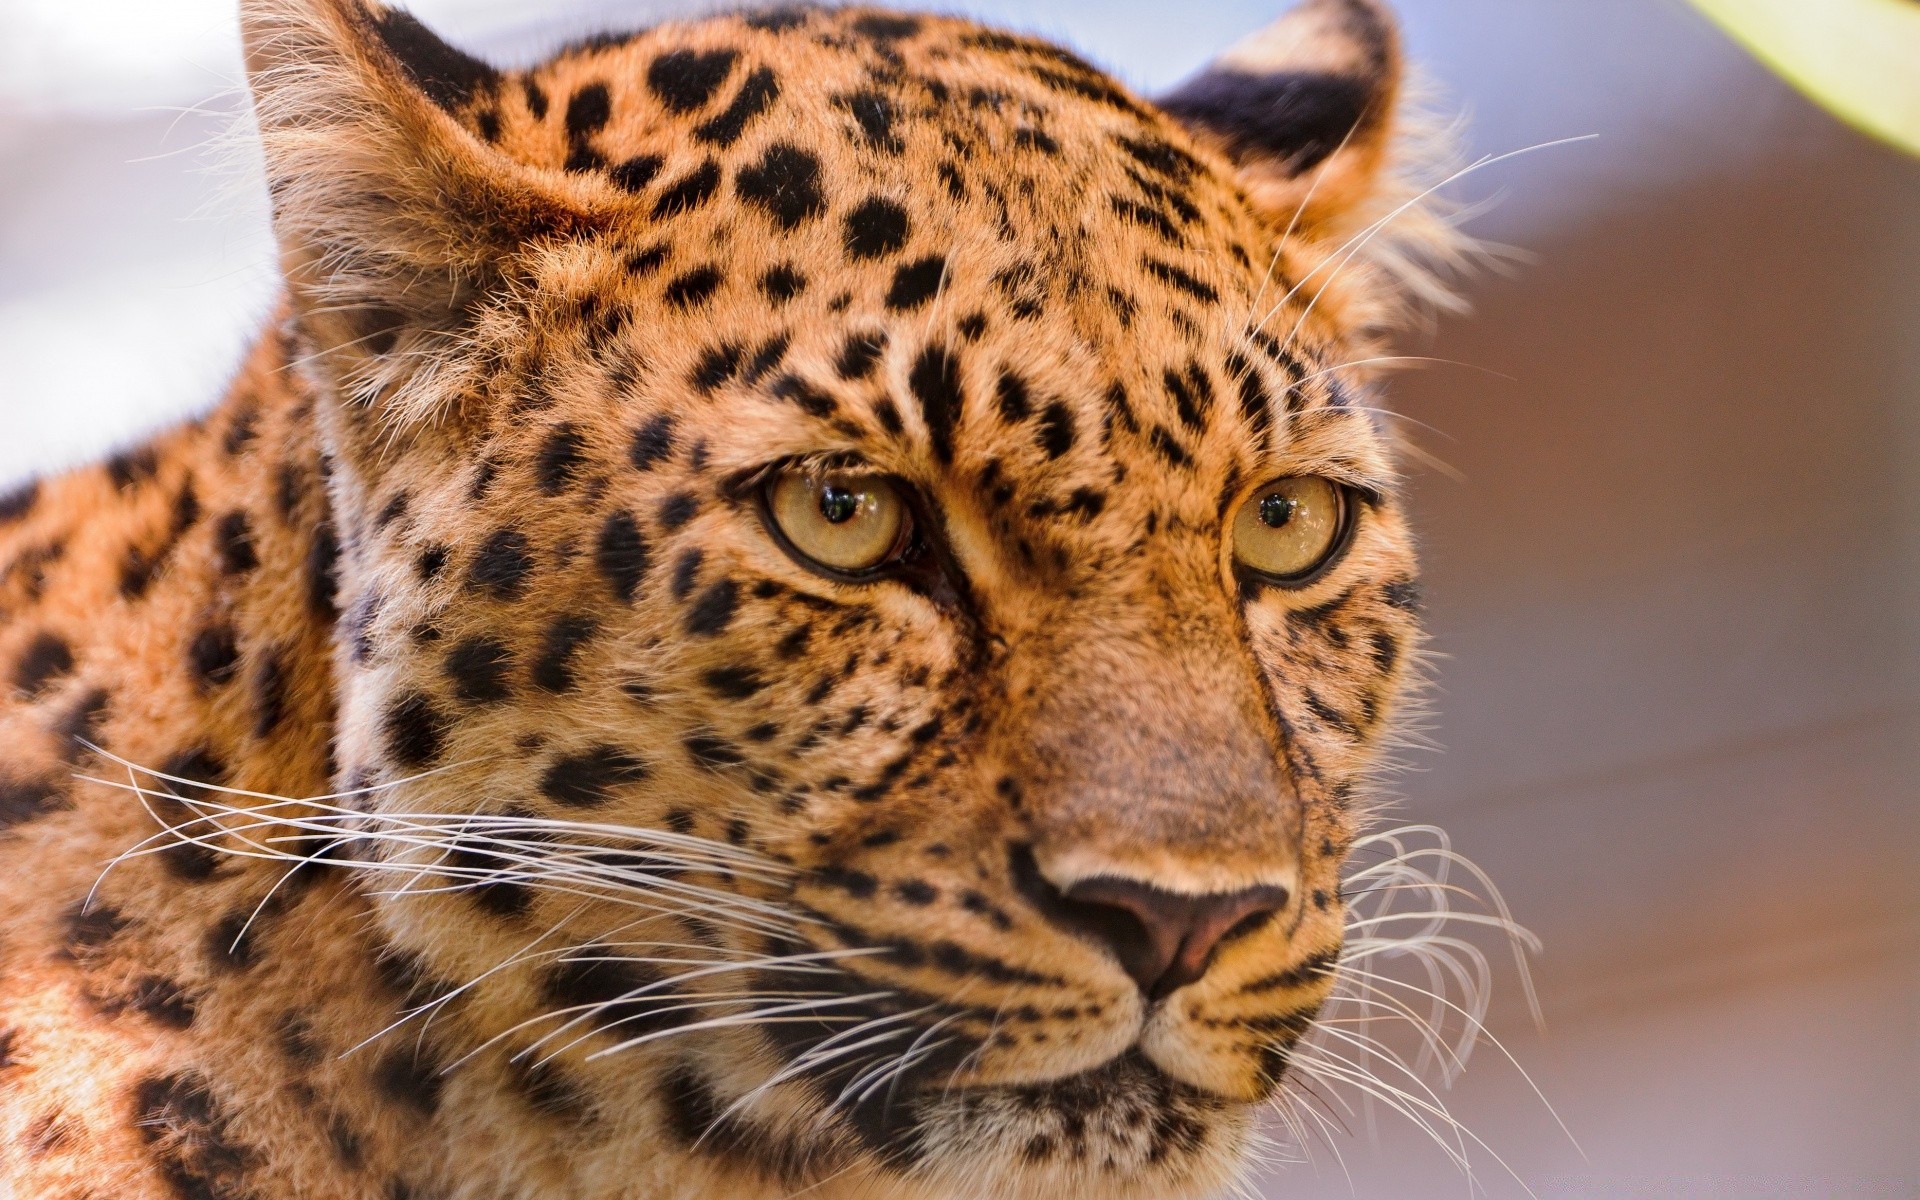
[(837, 504), (1276, 510)]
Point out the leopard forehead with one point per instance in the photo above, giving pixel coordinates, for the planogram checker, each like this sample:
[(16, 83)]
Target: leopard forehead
[(940, 246)]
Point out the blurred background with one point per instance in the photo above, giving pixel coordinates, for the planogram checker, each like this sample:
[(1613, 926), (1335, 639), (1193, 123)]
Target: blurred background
[(1671, 517)]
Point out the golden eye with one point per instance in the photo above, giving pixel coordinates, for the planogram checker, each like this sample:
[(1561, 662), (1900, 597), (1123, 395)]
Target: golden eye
[(841, 521), (1290, 528)]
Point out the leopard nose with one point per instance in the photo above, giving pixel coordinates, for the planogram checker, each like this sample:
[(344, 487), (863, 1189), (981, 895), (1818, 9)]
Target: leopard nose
[(1165, 940)]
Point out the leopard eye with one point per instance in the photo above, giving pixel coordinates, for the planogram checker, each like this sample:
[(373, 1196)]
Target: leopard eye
[(1291, 528), (841, 521)]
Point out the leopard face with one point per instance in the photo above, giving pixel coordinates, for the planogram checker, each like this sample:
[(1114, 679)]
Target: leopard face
[(809, 673)]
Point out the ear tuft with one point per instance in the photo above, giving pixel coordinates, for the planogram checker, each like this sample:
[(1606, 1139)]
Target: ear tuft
[(449, 77)]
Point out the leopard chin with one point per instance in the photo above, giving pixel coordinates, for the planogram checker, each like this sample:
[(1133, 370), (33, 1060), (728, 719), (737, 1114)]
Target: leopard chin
[(1124, 1128)]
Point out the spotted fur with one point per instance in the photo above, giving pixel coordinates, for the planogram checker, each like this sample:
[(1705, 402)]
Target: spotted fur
[(632, 858)]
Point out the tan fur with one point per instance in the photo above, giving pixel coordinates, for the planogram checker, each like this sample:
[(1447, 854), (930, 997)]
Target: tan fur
[(544, 608)]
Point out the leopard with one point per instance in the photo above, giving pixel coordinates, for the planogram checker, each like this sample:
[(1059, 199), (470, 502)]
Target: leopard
[(800, 601)]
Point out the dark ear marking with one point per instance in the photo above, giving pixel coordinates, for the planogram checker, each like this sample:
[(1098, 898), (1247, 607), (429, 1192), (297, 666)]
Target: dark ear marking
[(447, 76), (1296, 118)]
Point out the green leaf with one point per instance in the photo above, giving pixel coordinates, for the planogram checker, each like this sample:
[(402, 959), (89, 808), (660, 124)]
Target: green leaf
[(1859, 58)]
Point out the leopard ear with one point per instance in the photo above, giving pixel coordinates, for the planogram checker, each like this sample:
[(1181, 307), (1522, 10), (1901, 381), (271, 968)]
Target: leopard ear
[(1305, 108), (392, 217)]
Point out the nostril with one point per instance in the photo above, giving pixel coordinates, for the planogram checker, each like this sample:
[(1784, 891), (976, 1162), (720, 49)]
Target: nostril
[(1164, 940)]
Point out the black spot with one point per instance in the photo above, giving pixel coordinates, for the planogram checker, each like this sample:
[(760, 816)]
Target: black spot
[(159, 999), (414, 731), (449, 77), (587, 779), (269, 690), (193, 1148), (695, 287), (89, 927), (1168, 447), (431, 562), (857, 884), (692, 190), (956, 183), (777, 20), (1190, 406), (393, 510), (878, 227), (23, 800), (559, 459), (1403, 594), (644, 262), (214, 656), (233, 541), (781, 284), (1386, 651), (1035, 139), (676, 510), (756, 95), (323, 562), (888, 414), (916, 892), (685, 571), (588, 111), (409, 1077), (18, 502), (243, 429), (500, 568), (915, 283), (79, 726), (935, 382), (686, 79), (550, 1091), (46, 659), (133, 467), (713, 610), (859, 353), (232, 944), (874, 113), (553, 666), (1055, 433), (599, 987), (1160, 157), (1256, 407), (622, 555), (652, 442), (1169, 274), (634, 175), (811, 400), (785, 184), (478, 668), (886, 27), (716, 366), (734, 683), (476, 872), (536, 99), (1151, 218), (711, 751), (1011, 394), (766, 358)]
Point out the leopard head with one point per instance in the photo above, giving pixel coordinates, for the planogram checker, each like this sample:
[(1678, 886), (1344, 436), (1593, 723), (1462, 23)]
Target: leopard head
[(872, 585)]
